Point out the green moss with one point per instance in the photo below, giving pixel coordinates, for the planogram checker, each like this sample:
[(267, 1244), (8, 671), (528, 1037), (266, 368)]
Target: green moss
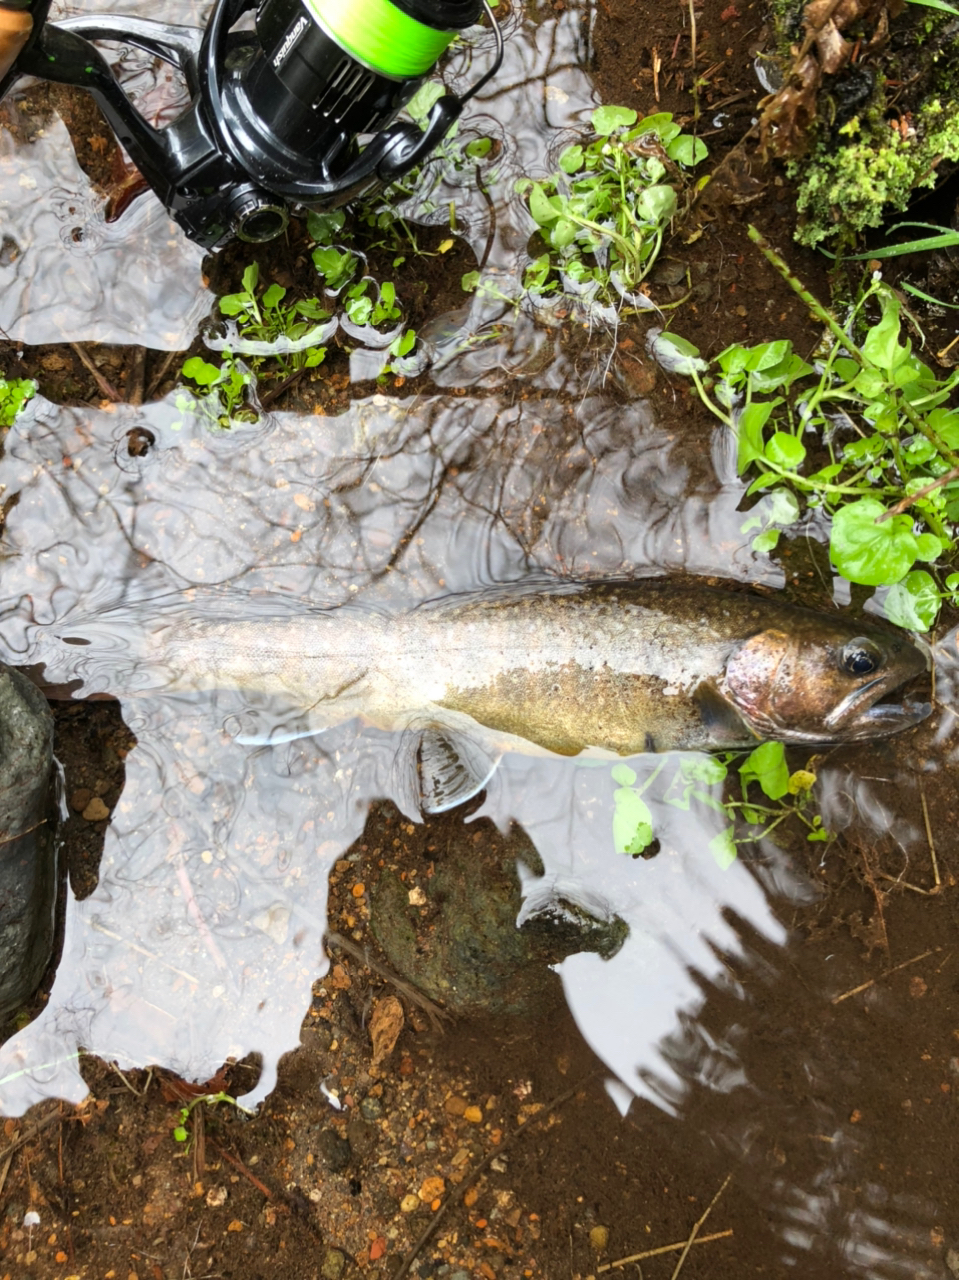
[(845, 188)]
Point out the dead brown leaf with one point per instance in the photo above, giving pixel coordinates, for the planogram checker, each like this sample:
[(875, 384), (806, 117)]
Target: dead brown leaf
[(788, 114), (386, 1023)]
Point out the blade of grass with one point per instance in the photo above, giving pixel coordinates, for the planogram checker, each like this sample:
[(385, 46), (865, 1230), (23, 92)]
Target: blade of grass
[(926, 297)]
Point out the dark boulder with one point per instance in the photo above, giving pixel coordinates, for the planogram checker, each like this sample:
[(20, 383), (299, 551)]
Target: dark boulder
[(29, 814)]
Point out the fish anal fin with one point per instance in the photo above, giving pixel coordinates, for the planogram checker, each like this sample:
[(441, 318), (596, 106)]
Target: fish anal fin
[(451, 768)]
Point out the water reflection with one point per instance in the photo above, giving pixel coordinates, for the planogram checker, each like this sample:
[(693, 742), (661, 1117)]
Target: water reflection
[(67, 275), (204, 933)]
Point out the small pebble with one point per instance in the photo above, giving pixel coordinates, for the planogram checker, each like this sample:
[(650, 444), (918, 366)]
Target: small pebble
[(80, 799), (431, 1189), (96, 810), (371, 1108), (409, 1203), (334, 1264), (455, 1106), (333, 1150), (216, 1196), (599, 1238), (474, 1115)]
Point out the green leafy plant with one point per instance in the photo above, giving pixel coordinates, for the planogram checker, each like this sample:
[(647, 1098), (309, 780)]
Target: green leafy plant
[(790, 794), (693, 780), (221, 390), (182, 1133), (367, 302), (865, 434), (603, 215), (265, 318), (14, 394), (364, 309), (696, 780)]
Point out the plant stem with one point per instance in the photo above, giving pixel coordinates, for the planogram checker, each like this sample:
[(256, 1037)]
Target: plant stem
[(832, 324)]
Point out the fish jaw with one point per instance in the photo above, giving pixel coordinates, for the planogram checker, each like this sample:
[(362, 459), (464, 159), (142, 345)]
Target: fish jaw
[(862, 716)]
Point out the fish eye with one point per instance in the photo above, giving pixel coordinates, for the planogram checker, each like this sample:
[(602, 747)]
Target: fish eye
[(860, 657)]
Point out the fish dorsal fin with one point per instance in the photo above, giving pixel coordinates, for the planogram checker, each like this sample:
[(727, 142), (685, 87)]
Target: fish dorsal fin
[(451, 767)]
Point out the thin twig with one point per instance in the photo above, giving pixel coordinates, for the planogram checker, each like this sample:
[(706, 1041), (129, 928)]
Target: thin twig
[(432, 1011), (692, 35), (945, 351), (877, 894), (239, 1165), (9, 1152), (275, 392), (137, 1093), (932, 843), (161, 373), (664, 1248), (904, 884), (151, 955), (864, 986), (21, 834), (695, 1231), (475, 1173), (86, 360), (136, 375), (926, 489)]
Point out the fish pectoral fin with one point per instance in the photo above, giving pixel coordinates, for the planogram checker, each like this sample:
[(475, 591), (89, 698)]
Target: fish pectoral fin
[(451, 768), (723, 722)]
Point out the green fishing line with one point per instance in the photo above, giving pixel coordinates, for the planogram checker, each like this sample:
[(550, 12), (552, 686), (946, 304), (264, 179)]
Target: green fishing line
[(381, 36)]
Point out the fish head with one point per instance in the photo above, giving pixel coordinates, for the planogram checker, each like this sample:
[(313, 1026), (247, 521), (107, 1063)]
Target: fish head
[(822, 680)]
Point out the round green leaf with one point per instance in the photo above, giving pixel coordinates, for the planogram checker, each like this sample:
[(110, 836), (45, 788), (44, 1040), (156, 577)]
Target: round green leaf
[(767, 766), (767, 541), (687, 150), (608, 119), (201, 371), (914, 602), (632, 822), (784, 450), (543, 208), (723, 849), (562, 233), (870, 553), (928, 547), (571, 160), (656, 204), (705, 769), (783, 507), (623, 774), (674, 353)]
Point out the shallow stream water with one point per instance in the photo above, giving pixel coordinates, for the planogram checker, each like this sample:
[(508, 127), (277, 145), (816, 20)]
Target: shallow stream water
[(205, 932)]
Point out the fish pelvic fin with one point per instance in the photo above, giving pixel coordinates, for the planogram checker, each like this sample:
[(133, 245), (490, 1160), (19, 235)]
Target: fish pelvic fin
[(452, 769), (447, 764)]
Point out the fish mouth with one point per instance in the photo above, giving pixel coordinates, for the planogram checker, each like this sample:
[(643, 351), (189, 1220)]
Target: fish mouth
[(861, 714)]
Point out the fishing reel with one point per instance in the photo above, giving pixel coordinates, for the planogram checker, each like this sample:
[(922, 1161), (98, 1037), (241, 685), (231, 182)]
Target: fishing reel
[(276, 114)]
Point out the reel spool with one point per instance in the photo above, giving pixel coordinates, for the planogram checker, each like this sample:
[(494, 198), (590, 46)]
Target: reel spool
[(275, 113)]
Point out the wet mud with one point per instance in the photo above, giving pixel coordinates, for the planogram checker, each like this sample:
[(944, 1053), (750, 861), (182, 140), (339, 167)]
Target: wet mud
[(450, 1094)]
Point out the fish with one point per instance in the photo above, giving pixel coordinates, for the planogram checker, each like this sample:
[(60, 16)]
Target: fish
[(608, 669)]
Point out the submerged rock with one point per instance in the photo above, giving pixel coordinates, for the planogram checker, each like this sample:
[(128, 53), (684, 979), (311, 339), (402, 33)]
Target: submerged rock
[(464, 935), (29, 815)]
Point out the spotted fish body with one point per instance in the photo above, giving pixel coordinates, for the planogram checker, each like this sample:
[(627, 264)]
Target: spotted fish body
[(616, 667)]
